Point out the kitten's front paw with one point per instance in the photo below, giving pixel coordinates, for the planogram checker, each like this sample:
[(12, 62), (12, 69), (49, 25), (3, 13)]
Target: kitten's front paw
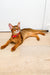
[(13, 49), (2, 47)]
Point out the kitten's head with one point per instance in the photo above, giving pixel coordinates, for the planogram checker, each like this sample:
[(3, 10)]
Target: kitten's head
[(15, 29)]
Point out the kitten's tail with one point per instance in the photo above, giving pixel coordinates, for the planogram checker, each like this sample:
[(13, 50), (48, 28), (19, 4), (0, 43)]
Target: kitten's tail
[(42, 30), (45, 30)]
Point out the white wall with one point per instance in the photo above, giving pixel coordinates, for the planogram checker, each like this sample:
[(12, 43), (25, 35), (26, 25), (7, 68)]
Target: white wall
[(47, 16), (29, 12)]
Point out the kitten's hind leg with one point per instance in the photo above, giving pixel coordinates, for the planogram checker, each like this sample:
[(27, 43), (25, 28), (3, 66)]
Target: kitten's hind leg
[(40, 33), (33, 35), (6, 44), (36, 37)]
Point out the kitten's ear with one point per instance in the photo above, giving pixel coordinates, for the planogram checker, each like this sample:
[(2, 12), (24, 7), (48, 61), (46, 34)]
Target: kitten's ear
[(18, 24), (10, 26)]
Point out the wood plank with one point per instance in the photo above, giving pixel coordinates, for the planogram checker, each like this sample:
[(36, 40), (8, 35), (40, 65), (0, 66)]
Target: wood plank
[(30, 58)]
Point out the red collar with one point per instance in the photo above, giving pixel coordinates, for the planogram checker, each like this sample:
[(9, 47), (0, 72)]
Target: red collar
[(15, 35)]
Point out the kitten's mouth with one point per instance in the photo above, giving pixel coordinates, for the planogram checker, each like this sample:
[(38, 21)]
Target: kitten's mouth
[(17, 31)]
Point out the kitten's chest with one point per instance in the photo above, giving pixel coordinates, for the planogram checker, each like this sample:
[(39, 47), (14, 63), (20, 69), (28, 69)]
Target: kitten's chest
[(15, 39)]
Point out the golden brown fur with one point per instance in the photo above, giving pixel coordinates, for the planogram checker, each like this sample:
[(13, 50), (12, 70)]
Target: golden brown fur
[(24, 33)]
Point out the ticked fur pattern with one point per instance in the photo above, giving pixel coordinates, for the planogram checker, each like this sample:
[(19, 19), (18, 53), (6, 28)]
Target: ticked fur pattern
[(19, 35)]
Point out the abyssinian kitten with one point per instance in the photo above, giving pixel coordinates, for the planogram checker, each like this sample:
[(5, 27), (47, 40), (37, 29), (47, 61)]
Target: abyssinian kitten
[(19, 35)]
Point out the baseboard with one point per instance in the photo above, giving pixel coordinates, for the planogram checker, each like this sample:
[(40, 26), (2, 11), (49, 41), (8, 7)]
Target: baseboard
[(5, 31)]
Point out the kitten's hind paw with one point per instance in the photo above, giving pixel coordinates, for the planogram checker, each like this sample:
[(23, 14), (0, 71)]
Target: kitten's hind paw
[(43, 34), (38, 39)]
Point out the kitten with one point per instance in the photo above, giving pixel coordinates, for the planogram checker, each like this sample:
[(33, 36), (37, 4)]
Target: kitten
[(19, 35)]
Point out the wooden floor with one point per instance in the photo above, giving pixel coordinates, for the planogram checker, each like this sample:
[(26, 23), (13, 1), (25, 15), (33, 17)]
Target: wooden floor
[(30, 58)]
